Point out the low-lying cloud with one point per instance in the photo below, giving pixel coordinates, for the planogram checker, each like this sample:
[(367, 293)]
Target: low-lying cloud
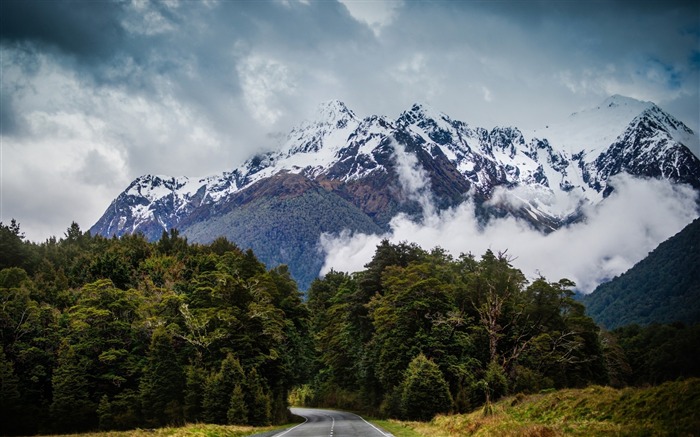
[(615, 234)]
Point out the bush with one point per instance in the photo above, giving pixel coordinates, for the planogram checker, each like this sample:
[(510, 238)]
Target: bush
[(425, 392)]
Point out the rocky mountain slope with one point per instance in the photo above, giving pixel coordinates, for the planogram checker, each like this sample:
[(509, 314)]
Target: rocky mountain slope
[(340, 171)]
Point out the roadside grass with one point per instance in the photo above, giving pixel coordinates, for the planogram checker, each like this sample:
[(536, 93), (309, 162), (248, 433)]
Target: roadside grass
[(191, 430), (397, 428), (670, 409)]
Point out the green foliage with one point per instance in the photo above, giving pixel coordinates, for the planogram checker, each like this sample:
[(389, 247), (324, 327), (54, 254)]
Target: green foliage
[(162, 384), (123, 333), (71, 409), (664, 287), (481, 324), (9, 396), (237, 413), (657, 353), (219, 389), (424, 391), (258, 400)]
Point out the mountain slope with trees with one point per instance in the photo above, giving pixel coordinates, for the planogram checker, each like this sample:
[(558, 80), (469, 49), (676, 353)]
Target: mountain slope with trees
[(662, 288)]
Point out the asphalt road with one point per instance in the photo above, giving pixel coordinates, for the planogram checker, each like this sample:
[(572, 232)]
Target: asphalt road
[(330, 423)]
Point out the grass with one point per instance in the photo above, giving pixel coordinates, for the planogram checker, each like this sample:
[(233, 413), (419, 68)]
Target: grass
[(670, 409), (191, 430)]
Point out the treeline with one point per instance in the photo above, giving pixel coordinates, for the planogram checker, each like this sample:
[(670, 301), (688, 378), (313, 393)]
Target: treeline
[(418, 333), (100, 333)]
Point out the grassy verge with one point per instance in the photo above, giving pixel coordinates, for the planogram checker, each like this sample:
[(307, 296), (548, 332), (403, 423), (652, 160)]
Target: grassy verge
[(397, 428), (670, 409), (192, 430)]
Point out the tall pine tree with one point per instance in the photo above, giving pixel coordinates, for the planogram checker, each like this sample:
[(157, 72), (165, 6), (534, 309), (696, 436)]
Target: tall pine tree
[(163, 382)]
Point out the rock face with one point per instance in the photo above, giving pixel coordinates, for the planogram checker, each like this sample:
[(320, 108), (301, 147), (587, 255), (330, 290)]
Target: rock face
[(339, 172)]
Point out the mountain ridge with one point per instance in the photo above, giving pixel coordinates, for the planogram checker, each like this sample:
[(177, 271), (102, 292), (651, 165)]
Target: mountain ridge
[(424, 158)]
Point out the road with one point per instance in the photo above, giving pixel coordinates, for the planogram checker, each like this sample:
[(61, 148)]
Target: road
[(330, 423)]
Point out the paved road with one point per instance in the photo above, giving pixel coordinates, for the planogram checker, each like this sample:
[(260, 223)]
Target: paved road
[(330, 423)]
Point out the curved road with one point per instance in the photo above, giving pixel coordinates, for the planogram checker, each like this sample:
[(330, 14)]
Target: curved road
[(330, 423)]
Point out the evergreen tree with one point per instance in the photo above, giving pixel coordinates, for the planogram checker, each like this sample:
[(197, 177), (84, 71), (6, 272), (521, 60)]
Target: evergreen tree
[(194, 393), (162, 383), (237, 413), (424, 391), (71, 409), (219, 388), (9, 396), (258, 400), (105, 414)]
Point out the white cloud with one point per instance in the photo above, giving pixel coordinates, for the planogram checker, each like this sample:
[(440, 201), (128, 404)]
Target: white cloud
[(262, 79), (82, 144), (413, 178), (375, 14), (623, 229)]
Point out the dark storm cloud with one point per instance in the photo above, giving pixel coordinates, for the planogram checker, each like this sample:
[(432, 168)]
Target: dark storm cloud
[(82, 28)]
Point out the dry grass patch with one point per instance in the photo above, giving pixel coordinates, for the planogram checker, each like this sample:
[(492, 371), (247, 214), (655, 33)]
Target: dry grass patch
[(192, 430)]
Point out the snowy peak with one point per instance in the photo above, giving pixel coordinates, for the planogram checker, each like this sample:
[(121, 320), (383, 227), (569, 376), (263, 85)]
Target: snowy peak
[(592, 131), (332, 123), (656, 118), (626, 103), (154, 187), (333, 112)]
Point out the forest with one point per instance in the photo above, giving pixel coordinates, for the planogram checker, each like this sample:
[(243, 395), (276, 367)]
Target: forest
[(120, 333)]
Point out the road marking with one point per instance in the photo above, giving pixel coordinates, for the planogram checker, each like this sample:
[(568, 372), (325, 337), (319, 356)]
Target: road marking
[(306, 419), (378, 430)]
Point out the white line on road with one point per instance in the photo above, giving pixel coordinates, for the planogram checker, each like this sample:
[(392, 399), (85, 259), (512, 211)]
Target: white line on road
[(378, 430), (306, 419)]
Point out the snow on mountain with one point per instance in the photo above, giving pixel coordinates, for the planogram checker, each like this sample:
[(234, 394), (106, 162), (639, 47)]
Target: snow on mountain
[(592, 130), (543, 176)]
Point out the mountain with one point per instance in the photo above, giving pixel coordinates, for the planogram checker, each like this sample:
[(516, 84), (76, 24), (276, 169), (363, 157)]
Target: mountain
[(664, 287), (341, 172)]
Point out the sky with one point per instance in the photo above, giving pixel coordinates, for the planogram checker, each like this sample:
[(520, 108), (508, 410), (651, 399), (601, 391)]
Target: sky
[(95, 93)]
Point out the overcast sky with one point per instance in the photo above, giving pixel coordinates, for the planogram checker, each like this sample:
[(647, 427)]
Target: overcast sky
[(96, 93)]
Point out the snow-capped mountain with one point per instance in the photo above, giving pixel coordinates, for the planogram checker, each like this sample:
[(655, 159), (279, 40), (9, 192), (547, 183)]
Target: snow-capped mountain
[(365, 171)]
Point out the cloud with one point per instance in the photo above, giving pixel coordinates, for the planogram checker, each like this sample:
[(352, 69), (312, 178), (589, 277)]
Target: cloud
[(375, 14), (616, 234), (263, 80)]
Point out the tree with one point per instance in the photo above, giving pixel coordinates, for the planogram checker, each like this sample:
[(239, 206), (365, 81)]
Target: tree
[(219, 389), (195, 383), (162, 384), (237, 413), (13, 251), (71, 409), (424, 391), (9, 396), (258, 400)]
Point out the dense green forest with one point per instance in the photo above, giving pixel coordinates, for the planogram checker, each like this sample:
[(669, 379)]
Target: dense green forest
[(120, 333), (476, 329)]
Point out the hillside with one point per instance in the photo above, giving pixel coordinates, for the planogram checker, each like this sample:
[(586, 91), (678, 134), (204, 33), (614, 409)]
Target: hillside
[(662, 288), (669, 409)]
